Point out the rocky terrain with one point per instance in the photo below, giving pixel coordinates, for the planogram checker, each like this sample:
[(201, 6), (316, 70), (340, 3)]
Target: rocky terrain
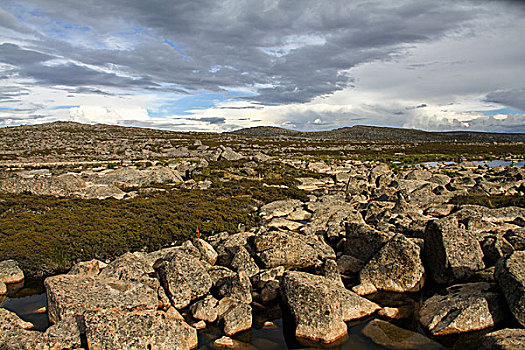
[(405, 251)]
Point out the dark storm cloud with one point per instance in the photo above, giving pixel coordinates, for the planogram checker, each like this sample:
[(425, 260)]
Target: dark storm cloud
[(16, 56), (514, 98), (289, 51)]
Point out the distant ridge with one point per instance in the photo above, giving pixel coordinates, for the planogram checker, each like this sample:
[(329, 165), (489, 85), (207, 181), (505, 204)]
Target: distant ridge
[(382, 134)]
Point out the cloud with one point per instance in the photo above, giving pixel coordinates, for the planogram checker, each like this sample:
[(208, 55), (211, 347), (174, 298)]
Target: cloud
[(246, 62)]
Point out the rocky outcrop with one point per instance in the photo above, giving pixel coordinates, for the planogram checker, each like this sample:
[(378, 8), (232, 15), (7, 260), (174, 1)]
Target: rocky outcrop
[(510, 274), (452, 253), (363, 241), (320, 307), (464, 308), (397, 267)]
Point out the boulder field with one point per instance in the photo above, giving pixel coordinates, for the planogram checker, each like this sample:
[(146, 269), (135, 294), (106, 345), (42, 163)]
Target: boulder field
[(365, 230)]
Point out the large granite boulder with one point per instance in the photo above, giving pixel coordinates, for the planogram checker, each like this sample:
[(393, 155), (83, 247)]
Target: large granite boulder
[(10, 272), (72, 295), (282, 249), (397, 267), (183, 277), (363, 241), (510, 275), (320, 307), (451, 252), (464, 308), (115, 329), (504, 339)]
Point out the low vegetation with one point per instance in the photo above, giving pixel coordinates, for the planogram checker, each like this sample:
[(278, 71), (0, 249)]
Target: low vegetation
[(47, 235)]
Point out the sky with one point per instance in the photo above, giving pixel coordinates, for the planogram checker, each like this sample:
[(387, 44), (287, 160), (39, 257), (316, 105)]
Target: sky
[(207, 65)]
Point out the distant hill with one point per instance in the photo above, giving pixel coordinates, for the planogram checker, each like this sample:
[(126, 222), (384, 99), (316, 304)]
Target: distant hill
[(382, 134)]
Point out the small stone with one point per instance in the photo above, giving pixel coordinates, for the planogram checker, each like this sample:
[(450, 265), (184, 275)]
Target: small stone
[(364, 289), (269, 324), (3, 288), (10, 272), (388, 312), (299, 215), (285, 224), (228, 343), (199, 325), (205, 309), (88, 268)]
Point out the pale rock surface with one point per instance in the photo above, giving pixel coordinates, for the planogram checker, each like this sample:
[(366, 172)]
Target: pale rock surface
[(465, 308)]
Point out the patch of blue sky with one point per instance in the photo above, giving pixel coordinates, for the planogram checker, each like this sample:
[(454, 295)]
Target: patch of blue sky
[(6, 108), (197, 100), (61, 107), (501, 111), (177, 48)]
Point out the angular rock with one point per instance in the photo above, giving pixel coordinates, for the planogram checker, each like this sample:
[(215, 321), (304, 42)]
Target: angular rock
[(285, 224), (219, 274), (465, 308), (347, 263), (205, 309), (270, 291), (235, 316), (207, 252), (237, 287), (299, 214), (87, 268), (363, 241), (14, 333), (243, 261), (392, 337), (3, 288), (279, 208), (115, 329), (72, 295), (510, 275), (10, 272), (451, 252), (184, 278), (321, 307), (282, 249), (63, 335), (397, 267), (229, 154), (364, 289), (496, 247), (265, 276), (505, 339)]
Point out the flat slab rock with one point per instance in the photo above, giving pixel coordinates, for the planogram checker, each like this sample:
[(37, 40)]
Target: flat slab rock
[(392, 337), (283, 249), (464, 308), (10, 272), (115, 329), (320, 307), (72, 295)]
